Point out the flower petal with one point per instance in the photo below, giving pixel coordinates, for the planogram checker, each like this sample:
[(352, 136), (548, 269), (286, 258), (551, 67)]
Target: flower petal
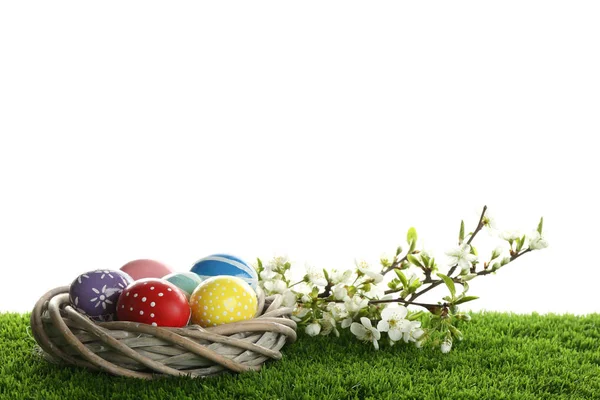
[(366, 322), (387, 313), (358, 330), (401, 312), (417, 333), (383, 325), (376, 334), (395, 334)]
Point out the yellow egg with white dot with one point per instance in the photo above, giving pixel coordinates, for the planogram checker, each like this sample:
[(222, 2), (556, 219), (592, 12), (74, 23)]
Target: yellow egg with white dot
[(221, 300)]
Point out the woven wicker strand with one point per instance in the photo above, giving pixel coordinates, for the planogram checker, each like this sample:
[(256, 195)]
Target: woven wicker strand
[(143, 351)]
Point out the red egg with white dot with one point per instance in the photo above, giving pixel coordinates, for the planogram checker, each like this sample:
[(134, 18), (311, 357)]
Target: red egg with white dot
[(154, 302)]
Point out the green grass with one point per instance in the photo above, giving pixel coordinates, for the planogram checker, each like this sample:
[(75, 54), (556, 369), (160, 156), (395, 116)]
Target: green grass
[(503, 356)]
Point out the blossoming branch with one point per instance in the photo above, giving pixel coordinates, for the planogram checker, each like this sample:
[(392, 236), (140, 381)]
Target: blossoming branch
[(375, 309)]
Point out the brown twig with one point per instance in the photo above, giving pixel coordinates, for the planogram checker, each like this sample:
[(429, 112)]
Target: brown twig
[(399, 300), (395, 264), (475, 232)]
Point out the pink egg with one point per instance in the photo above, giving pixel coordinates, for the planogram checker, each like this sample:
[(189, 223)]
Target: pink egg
[(139, 269)]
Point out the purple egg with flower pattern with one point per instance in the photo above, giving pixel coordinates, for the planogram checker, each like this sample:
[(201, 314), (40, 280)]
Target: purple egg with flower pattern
[(96, 293)]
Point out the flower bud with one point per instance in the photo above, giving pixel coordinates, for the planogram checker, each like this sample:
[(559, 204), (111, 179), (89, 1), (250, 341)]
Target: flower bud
[(313, 329), (446, 346), (463, 317), (497, 251)]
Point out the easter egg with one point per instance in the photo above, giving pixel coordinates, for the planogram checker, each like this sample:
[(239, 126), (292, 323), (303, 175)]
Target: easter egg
[(221, 300), (225, 264), (185, 281), (155, 302), (96, 293), (139, 269)]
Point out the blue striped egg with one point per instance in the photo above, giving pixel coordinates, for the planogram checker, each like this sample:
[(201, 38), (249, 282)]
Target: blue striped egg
[(225, 264)]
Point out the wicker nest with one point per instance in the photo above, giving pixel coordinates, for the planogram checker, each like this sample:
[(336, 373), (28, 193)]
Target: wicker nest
[(143, 351)]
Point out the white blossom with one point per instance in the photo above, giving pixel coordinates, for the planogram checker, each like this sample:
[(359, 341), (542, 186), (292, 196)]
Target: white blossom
[(511, 235), (299, 313), (537, 242), (305, 299), (340, 292), (316, 277), (313, 329), (303, 288), (337, 310), (329, 325), (413, 331), (365, 331), (288, 298), (461, 255), (340, 277), (355, 303), (489, 221), (267, 274), (375, 277), (393, 322), (376, 292), (275, 286), (277, 262)]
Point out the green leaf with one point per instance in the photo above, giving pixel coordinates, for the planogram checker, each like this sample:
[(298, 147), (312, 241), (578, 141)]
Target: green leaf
[(461, 234), (495, 253), (411, 236), (431, 263), (414, 260), (425, 259), (402, 278), (465, 299), (449, 282), (315, 292), (398, 250), (326, 275), (259, 263), (414, 285), (465, 288), (473, 250), (412, 247), (520, 243), (540, 226), (415, 316)]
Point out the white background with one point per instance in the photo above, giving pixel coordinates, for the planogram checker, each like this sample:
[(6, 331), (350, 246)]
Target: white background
[(321, 130)]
